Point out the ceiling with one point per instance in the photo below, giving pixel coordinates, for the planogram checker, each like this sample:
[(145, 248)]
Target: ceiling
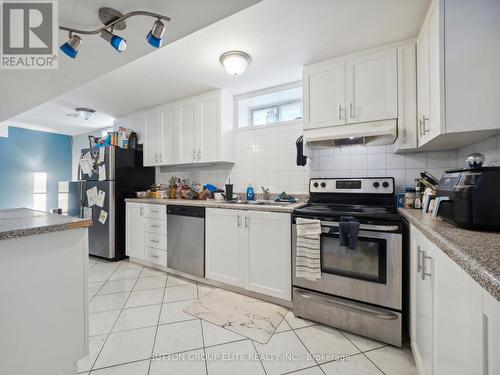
[(21, 90), (281, 36)]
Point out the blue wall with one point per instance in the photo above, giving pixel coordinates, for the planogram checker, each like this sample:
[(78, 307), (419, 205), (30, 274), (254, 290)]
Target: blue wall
[(25, 152)]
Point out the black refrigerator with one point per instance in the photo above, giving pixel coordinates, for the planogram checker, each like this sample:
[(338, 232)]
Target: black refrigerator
[(106, 176)]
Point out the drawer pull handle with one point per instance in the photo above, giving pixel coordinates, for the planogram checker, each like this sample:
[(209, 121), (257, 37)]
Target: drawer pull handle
[(155, 241), (154, 226), (154, 256), (155, 211)]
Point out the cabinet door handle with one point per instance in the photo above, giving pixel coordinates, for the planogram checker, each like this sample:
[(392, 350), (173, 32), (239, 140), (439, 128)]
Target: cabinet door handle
[(425, 129), (193, 156), (246, 222), (141, 211), (156, 158), (420, 124), (404, 135), (199, 154), (419, 264), (238, 221), (351, 110), (424, 267), (340, 112)]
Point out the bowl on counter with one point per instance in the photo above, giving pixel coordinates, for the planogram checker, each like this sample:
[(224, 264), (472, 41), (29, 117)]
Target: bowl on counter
[(143, 194)]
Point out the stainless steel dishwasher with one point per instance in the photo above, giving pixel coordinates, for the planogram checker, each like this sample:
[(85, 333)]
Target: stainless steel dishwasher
[(186, 239)]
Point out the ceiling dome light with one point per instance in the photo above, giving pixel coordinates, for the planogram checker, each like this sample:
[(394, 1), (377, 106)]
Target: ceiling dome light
[(71, 47), (116, 41), (155, 36), (235, 62), (85, 113)]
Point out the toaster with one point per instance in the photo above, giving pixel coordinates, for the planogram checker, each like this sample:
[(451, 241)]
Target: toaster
[(470, 198)]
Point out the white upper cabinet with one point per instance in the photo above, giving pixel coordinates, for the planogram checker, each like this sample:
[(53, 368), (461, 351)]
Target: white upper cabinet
[(324, 95), (170, 131), (359, 88), (407, 98), (153, 145), (458, 78), (207, 136), (188, 131), (372, 87)]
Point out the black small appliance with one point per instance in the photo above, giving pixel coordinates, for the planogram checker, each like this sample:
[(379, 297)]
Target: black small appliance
[(470, 198)]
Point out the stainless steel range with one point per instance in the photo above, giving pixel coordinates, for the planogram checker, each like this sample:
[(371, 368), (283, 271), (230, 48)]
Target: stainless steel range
[(360, 290)]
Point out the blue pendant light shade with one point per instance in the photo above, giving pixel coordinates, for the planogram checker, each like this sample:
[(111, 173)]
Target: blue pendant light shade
[(116, 41), (70, 48), (155, 36), (119, 43)]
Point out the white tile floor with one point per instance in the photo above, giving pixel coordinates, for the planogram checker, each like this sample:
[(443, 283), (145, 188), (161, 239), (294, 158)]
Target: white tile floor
[(137, 312)]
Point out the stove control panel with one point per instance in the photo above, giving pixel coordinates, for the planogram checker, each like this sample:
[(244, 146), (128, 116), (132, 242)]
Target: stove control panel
[(368, 185)]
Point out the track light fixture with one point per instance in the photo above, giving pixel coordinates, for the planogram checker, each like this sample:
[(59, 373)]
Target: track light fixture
[(71, 47), (114, 20), (155, 36), (116, 41)]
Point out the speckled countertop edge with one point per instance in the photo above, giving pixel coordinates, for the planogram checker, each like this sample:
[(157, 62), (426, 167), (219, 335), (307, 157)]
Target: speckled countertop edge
[(211, 203), (477, 255), (27, 230)]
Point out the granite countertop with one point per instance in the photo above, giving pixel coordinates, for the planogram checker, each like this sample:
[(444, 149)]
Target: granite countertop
[(212, 203), (24, 222), (477, 253)]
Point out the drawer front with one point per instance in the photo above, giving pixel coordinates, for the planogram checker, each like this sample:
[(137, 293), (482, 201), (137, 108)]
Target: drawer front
[(155, 211), (155, 226), (158, 241), (156, 256)]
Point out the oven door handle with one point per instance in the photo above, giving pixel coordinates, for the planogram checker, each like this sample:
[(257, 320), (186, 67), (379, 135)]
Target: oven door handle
[(345, 305), (381, 228)]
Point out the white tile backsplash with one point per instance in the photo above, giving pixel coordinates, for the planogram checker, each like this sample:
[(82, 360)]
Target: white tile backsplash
[(267, 157)]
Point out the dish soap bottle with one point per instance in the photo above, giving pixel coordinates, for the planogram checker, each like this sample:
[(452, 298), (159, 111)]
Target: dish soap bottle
[(250, 193)]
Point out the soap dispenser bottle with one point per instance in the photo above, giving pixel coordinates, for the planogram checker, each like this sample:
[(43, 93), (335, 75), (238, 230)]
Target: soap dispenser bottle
[(250, 193)]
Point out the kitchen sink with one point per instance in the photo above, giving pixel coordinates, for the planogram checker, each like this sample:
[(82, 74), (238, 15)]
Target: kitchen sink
[(261, 202)]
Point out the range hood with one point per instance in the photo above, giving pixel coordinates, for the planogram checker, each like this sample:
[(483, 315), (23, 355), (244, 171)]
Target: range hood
[(367, 133)]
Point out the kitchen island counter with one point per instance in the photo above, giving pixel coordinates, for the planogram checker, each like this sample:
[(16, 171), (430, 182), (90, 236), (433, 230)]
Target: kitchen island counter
[(43, 288), (23, 222), (476, 252)]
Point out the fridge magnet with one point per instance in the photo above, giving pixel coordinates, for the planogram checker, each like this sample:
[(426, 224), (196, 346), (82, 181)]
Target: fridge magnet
[(87, 213), (92, 196), (100, 198), (102, 172), (103, 216)]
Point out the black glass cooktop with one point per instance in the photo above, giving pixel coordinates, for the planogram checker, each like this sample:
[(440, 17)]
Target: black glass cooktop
[(324, 210)]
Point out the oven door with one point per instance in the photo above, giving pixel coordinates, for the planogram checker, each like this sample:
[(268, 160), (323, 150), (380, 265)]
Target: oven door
[(369, 273)]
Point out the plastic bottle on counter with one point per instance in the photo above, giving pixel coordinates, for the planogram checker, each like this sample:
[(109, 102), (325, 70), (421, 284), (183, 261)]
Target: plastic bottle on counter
[(418, 201), (250, 193)]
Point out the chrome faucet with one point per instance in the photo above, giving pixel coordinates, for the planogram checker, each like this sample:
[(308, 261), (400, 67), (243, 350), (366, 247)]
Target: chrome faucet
[(265, 193)]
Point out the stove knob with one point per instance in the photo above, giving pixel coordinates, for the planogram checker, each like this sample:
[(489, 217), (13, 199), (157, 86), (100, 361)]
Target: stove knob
[(385, 184), (315, 185), (323, 184), (376, 184)]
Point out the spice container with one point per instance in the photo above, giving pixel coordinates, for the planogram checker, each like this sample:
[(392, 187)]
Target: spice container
[(409, 197), (417, 203)]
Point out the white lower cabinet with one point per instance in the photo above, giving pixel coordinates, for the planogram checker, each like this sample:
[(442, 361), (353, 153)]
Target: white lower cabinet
[(134, 230), (250, 249), (269, 255), (454, 322), (146, 232), (225, 246)]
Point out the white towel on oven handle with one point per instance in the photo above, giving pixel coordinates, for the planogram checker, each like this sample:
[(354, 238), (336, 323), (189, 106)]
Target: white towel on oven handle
[(307, 257)]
